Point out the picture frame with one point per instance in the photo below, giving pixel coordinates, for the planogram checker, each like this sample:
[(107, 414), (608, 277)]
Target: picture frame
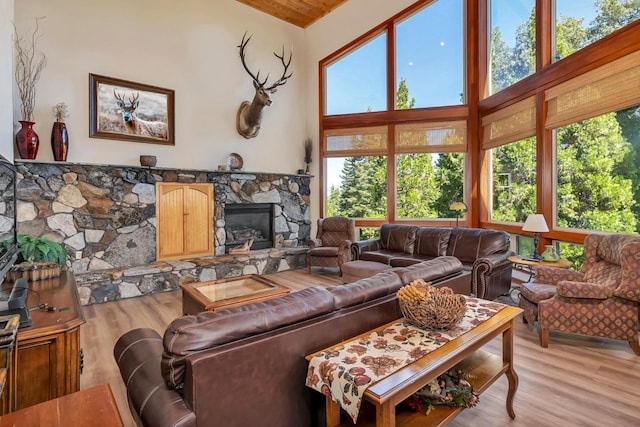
[(130, 111)]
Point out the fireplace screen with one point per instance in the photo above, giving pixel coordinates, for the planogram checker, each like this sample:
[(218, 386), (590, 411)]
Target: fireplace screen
[(247, 222)]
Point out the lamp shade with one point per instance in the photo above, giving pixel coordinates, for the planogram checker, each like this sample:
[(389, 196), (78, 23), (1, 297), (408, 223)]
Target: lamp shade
[(458, 206), (535, 223)]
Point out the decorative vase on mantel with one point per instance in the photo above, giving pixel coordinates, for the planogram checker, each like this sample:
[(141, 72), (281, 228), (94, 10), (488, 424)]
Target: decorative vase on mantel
[(27, 141), (59, 141)]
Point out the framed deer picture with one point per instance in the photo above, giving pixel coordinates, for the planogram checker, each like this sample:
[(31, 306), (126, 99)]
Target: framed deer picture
[(124, 110)]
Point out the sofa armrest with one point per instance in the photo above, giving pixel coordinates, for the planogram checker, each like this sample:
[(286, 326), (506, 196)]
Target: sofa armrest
[(572, 289), (138, 354), (483, 272), (364, 246)]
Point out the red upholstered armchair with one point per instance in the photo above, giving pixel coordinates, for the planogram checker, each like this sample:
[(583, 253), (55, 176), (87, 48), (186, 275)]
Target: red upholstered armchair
[(602, 299), (330, 248)]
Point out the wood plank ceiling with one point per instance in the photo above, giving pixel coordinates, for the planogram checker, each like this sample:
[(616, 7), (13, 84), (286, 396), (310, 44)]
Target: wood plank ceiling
[(298, 12)]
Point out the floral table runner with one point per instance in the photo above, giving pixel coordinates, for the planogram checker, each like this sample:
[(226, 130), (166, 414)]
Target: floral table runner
[(344, 372)]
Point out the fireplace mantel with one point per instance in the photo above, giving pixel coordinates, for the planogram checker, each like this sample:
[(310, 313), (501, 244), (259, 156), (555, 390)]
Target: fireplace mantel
[(106, 214)]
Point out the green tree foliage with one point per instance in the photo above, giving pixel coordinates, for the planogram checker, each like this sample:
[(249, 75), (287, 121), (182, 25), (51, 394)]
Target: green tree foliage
[(449, 173), (591, 195), (514, 180), (613, 14)]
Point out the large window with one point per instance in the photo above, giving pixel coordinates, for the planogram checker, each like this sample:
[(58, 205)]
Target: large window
[(512, 42), (357, 82), (430, 56), (429, 168), (513, 168), (596, 117), (597, 173), (403, 164)]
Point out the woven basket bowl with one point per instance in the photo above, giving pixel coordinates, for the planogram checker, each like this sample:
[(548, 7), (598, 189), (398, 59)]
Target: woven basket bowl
[(441, 313)]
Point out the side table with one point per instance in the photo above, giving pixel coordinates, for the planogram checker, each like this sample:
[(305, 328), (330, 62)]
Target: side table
[(522, 263), (94, 406)]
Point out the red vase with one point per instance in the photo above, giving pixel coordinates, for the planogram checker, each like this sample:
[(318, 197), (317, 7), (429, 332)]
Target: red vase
[(59, 141), (27, 141)]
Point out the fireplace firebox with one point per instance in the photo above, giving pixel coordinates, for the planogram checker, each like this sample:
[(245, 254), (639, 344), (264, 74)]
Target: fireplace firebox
[(245, 222)]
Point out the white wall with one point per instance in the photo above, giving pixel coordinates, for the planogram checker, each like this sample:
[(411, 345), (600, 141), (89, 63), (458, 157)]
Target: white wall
[(190, 47), (6, 79)]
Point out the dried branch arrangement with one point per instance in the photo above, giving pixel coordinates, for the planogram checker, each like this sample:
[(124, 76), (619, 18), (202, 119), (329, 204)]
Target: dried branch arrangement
[(29, 66), (308, 148), (60, 111)]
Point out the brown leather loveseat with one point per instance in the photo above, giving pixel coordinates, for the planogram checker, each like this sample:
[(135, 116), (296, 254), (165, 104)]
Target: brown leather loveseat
[(245, 365), (483, 252)]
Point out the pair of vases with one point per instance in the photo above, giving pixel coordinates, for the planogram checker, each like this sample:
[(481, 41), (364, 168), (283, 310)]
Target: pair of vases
[(28, 141)]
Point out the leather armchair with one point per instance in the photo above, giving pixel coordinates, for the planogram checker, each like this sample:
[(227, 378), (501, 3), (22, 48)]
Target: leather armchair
[(331, 247), (599, 300)]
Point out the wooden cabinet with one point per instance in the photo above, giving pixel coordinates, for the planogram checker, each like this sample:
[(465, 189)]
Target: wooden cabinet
[(47, 360), (184, 215)]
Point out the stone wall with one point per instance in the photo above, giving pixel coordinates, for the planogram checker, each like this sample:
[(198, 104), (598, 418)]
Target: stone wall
[(106, 218)]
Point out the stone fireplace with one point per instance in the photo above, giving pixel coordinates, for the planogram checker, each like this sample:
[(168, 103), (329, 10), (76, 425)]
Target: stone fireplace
[(252, 222), (105, 215)]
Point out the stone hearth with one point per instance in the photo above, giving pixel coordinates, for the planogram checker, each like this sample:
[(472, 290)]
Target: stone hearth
[(105, 217)]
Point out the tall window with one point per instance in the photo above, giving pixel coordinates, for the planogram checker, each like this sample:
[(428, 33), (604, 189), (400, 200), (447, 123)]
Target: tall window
[(357, 183), (508, 134), (512, 42), (597, 173), (429, 168), (427, 155), (513, 168), (430, 56), (357, 82), (596, 117)]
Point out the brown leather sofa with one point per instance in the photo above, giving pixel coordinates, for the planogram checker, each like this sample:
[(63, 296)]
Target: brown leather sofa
[(483, 252), (245, 365)]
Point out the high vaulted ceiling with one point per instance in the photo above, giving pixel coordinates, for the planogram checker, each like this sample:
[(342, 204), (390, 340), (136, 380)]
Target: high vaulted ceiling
[(298, 12)]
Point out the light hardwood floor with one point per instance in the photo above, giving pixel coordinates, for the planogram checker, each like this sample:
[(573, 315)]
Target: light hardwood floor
[(577, 381)]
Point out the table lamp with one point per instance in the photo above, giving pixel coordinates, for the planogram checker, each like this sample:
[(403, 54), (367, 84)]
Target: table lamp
[(458, 208), (537, 224)]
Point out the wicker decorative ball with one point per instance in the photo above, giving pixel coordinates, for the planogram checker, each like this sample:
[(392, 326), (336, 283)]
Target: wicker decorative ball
[(428, 307)]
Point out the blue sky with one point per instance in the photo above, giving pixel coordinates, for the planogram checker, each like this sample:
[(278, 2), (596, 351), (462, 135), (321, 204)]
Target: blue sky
[(429, 55)]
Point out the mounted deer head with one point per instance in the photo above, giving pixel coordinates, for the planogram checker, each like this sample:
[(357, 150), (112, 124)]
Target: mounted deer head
[(250, 113)]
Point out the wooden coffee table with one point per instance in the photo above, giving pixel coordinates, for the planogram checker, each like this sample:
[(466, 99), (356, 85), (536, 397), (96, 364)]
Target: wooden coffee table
[(217, 294), (484, 368)]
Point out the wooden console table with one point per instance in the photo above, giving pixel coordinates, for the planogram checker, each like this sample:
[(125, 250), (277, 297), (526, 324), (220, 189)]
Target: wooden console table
[(383, 396), (46, 362)]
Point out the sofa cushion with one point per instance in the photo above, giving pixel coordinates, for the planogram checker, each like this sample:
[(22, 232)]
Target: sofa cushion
[(398, 237), (407, 260), (190, 334), (383, 256), (365, 289), (352, 271), (432, 241), (430, 270), (469, 244)]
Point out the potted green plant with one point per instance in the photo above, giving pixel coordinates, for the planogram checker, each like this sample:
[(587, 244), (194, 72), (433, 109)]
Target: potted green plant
[(38, 258)]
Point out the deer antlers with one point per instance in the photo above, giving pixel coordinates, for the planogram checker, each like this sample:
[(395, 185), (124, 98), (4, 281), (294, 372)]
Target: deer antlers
[(256, 78), (132, 99)]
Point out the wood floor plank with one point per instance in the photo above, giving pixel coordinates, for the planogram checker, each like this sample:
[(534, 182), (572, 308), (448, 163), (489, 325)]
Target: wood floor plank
[(577, 381)]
